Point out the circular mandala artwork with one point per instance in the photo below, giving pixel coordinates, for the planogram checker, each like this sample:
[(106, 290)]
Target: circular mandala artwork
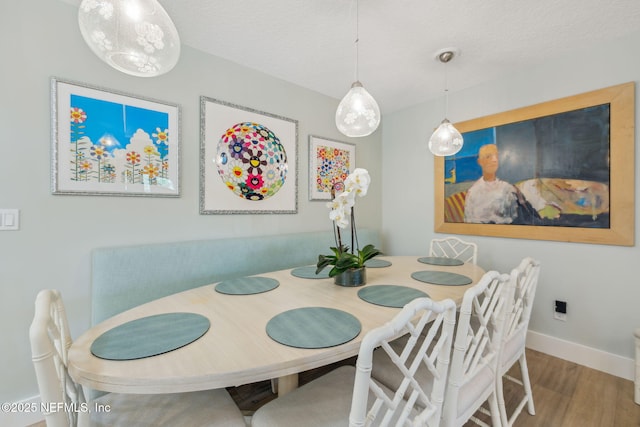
[(251, 161)]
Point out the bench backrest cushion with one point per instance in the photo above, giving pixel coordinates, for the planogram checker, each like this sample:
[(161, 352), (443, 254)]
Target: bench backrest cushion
[(124, 277)]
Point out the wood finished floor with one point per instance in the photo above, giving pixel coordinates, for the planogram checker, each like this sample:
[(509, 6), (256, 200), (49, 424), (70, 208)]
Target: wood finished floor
[(565, 395)]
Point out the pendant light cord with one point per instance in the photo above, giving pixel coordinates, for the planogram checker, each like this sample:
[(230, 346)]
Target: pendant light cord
[(357, 38), (446, 91), (445, 57)]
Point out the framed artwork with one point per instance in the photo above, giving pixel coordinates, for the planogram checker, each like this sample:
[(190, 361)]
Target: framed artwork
[(330, 162), (561, 170), (248, 160), (111, 143)]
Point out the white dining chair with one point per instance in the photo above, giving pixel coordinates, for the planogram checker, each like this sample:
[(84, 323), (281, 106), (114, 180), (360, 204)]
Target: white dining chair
[(50, 342), (476, 350), (349, 396), (454, 247), (525, 278), (473, 367)]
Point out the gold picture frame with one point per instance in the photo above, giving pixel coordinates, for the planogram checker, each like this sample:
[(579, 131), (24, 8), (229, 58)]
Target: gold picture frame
[(618, 229)]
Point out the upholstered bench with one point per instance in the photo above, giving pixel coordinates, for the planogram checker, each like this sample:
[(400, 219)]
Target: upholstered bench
[(127, 276)]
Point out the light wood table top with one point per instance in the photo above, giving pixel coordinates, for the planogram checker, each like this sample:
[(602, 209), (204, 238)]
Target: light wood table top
[(236, 349)]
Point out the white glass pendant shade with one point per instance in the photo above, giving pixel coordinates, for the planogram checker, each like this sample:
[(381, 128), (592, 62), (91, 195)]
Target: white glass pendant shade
[(446, 140), (358, 113), (136, 37)]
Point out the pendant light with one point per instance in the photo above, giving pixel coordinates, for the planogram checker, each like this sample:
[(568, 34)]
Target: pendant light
[(136, 37), (446, 140), (358, 113)]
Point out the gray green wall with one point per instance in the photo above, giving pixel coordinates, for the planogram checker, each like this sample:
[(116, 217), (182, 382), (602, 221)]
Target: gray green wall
[(599, 282), (57, 233)]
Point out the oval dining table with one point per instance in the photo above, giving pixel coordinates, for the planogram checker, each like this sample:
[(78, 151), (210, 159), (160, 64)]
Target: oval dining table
[(236, 349)]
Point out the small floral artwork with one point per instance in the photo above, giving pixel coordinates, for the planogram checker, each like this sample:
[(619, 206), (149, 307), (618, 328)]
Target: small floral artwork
[(113, 144), (251, 161), (330, 164)]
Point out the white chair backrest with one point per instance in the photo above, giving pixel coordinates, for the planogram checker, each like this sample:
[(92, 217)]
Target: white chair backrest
[(433, 352), (453, 247), (525, 279), (50, 342), (477, 345)]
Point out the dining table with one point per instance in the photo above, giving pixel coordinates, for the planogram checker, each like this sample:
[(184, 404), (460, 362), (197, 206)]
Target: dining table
[(248, 329)]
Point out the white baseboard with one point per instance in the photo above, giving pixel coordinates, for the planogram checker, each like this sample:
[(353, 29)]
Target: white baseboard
[(593, 358), (22, 413)]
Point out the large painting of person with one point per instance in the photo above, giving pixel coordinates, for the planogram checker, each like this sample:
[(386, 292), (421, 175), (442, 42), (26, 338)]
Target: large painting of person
[(551, 171)]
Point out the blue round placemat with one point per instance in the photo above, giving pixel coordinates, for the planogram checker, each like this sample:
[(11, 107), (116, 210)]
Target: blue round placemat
[(440, 260), (377, 263), (247, 285), (441, 278), (150, 336), (390, 295), (309, 272), (313, 327)]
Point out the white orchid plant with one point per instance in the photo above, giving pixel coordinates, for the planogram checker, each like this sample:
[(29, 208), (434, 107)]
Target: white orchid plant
[(344, 257)]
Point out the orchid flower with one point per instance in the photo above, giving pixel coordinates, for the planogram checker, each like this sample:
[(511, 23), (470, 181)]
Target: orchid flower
[(347, 257), (358, 182), (340, 217), (341, 208)]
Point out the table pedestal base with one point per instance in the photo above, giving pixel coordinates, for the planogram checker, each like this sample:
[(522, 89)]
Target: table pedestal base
[(284, 385)]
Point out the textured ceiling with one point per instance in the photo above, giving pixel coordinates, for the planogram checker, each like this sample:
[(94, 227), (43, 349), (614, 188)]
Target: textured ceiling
[(311, 42)]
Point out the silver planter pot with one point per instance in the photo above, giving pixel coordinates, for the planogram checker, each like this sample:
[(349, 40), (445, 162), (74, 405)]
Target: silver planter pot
[(352, 277)]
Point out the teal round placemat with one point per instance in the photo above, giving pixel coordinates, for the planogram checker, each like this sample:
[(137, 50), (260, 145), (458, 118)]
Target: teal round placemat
[(247, 285), (377, 263), (440, 260), (390, 295), (150, 336), (441, 278), (309, 272), (313, 327)]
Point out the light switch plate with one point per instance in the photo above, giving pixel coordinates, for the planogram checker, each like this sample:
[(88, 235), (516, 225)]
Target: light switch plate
[(9, 219)]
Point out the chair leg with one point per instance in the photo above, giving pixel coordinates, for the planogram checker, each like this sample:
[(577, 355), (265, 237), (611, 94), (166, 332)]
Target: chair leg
[(527, 384), (495, 411), (526, 400), (501, 404)]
